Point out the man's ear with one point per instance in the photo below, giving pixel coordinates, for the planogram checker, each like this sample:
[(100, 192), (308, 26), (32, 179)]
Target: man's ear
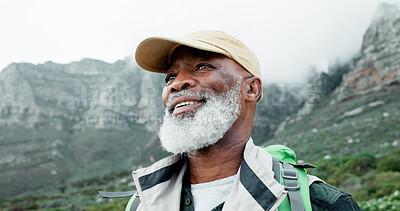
[(253, 89)]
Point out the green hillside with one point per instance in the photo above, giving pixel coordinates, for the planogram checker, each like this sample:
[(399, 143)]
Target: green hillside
[(363, 124), (355, 144), (78, 195)]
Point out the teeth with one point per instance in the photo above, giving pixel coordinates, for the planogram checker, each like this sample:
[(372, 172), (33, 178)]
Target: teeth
[(186, 103)]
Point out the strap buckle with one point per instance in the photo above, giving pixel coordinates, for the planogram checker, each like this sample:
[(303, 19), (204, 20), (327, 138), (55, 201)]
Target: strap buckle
[(291, 185), (289, 174)]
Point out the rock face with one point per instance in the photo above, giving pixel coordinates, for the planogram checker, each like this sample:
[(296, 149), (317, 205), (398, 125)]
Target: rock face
[(376, 68), (59, 122), (279, 101), (378, 62), (78, 96), (362, 114)]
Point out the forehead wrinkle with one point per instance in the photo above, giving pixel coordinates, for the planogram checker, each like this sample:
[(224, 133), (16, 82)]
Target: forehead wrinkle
[(198, 54)]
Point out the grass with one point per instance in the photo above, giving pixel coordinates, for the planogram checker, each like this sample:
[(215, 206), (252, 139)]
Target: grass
[(79, 195)]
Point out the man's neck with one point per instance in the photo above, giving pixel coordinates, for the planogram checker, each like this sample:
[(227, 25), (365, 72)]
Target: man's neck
[(216, 162), (222, 159)]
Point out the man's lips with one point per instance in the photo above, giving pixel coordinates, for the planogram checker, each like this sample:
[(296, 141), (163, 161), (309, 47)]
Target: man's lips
[(184, 104)]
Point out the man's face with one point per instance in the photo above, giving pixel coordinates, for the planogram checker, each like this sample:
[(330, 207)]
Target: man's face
[(198, 71), (202, 98)]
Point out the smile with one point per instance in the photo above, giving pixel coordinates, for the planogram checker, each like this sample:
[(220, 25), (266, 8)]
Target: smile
[(186, 105)]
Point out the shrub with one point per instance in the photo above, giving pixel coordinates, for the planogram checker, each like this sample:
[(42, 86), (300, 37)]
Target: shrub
[(359, 164), (390, 163), (378, 185)]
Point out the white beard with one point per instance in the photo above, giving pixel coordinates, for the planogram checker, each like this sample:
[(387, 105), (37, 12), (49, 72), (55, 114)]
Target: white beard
[(207, 125)]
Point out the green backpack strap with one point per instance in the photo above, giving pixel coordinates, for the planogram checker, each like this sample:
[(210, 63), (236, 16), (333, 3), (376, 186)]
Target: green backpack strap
[(293, 176)]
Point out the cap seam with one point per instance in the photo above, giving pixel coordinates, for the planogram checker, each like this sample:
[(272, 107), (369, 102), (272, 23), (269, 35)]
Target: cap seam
[(230, 55)]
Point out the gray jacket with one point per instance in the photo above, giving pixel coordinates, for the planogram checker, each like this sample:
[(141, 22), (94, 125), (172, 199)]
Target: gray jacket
[(159, 186)]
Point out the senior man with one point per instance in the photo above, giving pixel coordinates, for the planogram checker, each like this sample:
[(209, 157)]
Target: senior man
[(212, 86)]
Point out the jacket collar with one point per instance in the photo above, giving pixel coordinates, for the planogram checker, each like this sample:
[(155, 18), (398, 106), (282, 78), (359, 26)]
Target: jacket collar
[(159, 186)]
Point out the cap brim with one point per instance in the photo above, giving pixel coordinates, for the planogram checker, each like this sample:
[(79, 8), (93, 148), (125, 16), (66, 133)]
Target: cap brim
[(152, 54)]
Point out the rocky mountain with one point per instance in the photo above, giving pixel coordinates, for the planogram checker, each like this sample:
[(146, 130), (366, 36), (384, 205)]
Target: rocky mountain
[(60, 122), (374, 69), (78, 96), (349, 126), (353, 100), (378, 62)]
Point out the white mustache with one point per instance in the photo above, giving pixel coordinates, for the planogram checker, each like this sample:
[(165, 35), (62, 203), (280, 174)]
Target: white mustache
[(187, 93)]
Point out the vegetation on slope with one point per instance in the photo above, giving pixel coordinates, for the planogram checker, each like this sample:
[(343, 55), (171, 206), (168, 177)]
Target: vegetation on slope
[(364, 124), (79, 195), (355, 144)]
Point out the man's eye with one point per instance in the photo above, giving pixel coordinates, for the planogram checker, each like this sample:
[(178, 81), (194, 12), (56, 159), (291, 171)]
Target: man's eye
[(169, 78), (202, 66)]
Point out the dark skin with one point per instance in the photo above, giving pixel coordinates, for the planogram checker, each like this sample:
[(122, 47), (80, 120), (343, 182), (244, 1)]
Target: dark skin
[(195, 70)]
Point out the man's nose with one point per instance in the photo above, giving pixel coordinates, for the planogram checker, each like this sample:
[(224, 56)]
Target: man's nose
[(182, 81)]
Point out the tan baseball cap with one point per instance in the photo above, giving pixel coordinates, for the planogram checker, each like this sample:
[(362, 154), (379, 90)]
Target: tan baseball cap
[(154, 53)]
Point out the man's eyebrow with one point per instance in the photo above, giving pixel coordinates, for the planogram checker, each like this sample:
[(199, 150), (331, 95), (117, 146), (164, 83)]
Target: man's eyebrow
[(200, 55)]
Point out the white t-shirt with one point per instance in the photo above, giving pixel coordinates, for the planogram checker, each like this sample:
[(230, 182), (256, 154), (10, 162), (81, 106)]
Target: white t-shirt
[(206, 196)]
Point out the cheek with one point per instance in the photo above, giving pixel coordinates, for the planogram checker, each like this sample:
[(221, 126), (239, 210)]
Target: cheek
[(222, 81)]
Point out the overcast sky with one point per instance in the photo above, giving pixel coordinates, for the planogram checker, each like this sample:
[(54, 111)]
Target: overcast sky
[(287, 36)]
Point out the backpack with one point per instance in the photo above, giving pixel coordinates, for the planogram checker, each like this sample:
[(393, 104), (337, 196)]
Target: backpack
[(286, 171), (293, 176)]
